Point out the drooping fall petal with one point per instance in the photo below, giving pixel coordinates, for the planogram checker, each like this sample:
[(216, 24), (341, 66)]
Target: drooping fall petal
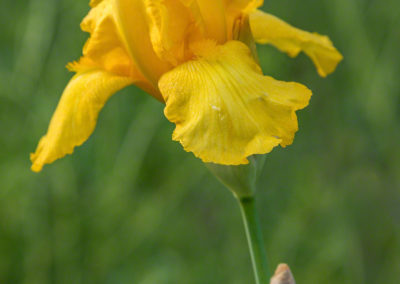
[(267, 28), (225, 109), (75, 117)]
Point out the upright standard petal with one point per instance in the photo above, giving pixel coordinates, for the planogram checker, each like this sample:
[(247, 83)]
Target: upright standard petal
[(171, 25), (94, 3), (76, 114), (105, 49), (225, 109), (132, 23), (214, 16), (245, 6), (267, 28), (235, 10)]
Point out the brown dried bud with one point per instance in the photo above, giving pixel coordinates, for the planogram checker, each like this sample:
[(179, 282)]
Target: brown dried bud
[(283, 275)]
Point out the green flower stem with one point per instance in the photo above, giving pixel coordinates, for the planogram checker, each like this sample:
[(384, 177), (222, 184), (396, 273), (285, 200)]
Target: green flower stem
[(255, 240)]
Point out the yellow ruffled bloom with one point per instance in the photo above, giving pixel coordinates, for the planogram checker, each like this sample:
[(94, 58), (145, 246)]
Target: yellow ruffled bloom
[(190, 55)]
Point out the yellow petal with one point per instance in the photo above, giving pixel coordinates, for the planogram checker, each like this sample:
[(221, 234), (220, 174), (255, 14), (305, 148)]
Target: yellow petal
[(169, 23), (76, 114), (267, 28), (225, 109), (94, 3), (105, 49), (244, 6), (132, 23), (235, 9), (214, 16)]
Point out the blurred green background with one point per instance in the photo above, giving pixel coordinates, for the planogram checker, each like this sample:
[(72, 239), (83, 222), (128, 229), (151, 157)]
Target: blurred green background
[(130, 206)]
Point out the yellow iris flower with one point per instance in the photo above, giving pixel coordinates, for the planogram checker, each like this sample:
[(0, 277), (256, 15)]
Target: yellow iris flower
[(189, 54)]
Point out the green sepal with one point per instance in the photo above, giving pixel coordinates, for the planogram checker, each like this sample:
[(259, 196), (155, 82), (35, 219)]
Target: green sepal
[(241, 180)]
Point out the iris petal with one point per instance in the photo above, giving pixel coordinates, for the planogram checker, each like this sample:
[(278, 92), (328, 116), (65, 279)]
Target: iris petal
[(94, 3), (76, 115), (105, 49), (244, 5), (235, 10), (132, 23), (214, 16), (225, 109), (267, 28), (170, 24)]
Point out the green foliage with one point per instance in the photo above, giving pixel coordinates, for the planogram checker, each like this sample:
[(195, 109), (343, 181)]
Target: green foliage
[(130, 206)]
